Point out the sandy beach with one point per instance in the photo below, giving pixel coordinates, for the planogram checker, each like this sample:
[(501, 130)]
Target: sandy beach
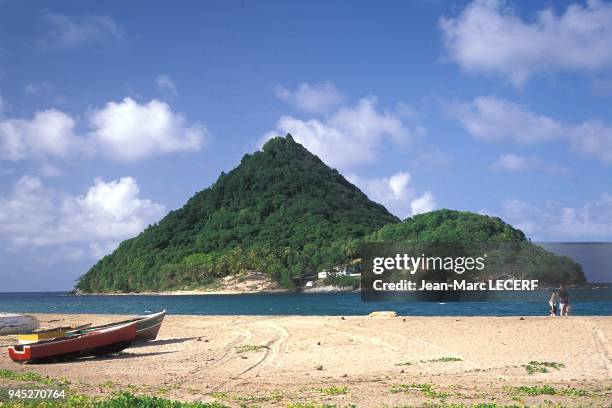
[(365, 361)]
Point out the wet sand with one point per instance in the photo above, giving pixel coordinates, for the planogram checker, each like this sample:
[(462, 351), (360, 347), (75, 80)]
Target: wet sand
[(277, 361)]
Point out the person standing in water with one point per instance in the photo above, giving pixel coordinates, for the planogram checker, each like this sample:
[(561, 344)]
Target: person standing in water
[(553, 304), (563, 301)]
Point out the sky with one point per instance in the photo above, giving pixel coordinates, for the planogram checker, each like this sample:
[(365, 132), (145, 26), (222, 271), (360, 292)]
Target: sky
[(114, 113)]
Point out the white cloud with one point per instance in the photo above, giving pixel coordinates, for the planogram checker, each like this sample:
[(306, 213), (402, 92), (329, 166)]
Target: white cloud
[(48, 133), (110, 211), (404, 110), (492, 119), (497, 120), (395, 193), (553, 222), (99, 250), (166, 84), (350, 137), (69, 32), (522, 216), (34, 215), (324, 141), (128, 130), (593, 138), (398, 184), (67, 253), (48, 170), (318, 98), (36, 88), (490, 37), (123, 131), (423, 204), (432, 158), (513, 163)]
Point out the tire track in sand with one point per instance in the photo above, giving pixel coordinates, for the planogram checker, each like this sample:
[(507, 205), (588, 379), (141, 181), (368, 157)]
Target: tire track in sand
[(228, 352), (603, 348), (412, 339), (272, 351)]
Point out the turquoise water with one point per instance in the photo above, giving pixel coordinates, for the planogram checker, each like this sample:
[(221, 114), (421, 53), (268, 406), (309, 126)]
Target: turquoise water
[(595, 302)]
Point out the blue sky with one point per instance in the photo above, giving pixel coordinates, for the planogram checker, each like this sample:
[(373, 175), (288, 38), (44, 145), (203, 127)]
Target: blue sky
[(113, 113)]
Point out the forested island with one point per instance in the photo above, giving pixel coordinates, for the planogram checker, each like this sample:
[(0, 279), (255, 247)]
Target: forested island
[(282, 211)]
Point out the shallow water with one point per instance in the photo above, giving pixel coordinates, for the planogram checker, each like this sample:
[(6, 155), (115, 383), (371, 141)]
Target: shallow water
[(595, 302)]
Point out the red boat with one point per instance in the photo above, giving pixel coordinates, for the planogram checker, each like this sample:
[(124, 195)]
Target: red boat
[(104, 341)]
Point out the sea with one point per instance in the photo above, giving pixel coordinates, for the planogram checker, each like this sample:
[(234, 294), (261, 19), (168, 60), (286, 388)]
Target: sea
[(589, 302)]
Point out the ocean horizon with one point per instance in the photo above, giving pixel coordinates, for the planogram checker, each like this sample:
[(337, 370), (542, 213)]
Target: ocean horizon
[(588, 302)]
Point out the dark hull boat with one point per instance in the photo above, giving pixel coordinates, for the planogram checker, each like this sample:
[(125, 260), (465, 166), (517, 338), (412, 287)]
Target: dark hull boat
[(147, 326), (104, 341)]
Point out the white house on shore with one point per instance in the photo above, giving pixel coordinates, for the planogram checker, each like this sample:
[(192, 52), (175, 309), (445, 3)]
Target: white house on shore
[(345, 270)]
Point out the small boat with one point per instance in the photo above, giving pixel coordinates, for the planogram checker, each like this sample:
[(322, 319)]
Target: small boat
[(47, 334), (15, 323), (109, 340), (147, 326)]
